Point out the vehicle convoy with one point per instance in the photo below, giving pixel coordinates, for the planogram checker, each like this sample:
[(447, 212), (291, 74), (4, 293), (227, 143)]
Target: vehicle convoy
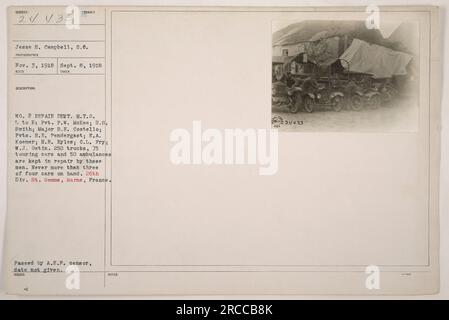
[(386, 89), (315, 90), (307, 93), (360, 93), (323, 92)]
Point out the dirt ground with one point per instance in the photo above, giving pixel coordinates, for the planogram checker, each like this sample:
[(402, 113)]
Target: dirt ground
[(399, 115)]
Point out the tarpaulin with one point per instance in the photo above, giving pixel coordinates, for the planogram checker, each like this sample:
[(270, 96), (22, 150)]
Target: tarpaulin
[(380, 61)]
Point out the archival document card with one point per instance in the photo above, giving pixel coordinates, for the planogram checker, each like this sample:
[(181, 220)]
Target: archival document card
[(223, 150)]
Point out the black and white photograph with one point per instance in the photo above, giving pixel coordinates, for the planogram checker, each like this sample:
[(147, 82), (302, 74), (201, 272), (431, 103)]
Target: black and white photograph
[(345, 76)]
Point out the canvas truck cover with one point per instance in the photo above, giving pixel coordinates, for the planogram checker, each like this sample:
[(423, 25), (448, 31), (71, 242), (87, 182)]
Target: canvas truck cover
[(380, 61)]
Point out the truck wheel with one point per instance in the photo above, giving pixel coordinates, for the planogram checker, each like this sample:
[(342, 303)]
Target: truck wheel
[(296, 105), (308, 104), (374, 101), (356, 103), (338, 104)]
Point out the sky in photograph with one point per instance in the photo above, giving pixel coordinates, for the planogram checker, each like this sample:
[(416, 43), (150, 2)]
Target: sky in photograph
[(385, 27)]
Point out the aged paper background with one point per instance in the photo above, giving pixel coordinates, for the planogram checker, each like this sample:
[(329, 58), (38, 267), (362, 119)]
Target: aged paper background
[(243, 110)]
